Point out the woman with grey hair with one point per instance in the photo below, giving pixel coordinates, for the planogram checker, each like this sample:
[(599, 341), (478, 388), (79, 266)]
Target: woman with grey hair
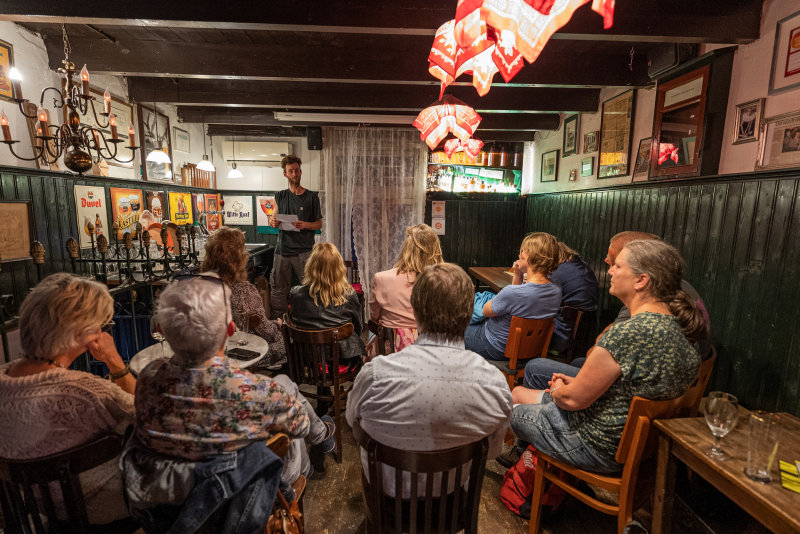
[(46, 408), (200, 404), (579, 420)]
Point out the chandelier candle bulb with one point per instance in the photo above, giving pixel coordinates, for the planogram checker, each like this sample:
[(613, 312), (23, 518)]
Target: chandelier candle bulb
[(44, 120), (5, 126), (85, 81), (131, 135), (96, 139), (16, 82), (107, 102), (112, 121)]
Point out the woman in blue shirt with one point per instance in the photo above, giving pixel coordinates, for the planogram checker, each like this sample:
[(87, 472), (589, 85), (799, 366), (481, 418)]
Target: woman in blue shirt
[(534, 298)]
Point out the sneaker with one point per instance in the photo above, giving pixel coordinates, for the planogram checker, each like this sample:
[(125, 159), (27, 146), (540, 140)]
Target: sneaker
[(509, 457), (328, 446)]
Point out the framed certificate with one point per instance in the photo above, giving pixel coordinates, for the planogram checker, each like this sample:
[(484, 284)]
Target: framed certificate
[(785, 74)]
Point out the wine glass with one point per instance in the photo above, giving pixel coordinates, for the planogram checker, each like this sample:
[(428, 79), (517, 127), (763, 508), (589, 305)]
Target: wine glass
[(722, 414), (242, 321), (158, 336)]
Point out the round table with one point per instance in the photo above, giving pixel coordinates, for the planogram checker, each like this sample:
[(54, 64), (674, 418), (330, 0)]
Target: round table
[(255, 343)]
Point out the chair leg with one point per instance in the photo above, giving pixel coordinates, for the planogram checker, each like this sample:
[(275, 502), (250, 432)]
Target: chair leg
[(536, 504), (337, 419), (511, 379)]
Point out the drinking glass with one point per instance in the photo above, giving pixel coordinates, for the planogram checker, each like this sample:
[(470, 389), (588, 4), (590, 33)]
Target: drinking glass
[(762, 445), (158, 336), (722, 413), (242, 321)]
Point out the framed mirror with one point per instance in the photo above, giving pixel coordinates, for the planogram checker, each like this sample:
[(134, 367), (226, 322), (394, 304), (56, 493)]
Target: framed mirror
[(616, 128)]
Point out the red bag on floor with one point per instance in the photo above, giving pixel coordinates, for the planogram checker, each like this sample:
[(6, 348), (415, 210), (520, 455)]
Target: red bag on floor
[(516, 492)]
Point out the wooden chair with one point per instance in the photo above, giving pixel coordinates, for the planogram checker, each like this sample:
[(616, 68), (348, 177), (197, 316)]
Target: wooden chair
[(313, 358), (527, 339), (636, 445), (27, 489), (694, 394), (384, 337), (572, 317), (355, 281), (426, 512)]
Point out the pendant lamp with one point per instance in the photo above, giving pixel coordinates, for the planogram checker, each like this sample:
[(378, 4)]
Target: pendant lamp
[(234, 172), (158, 155), (205, 164)]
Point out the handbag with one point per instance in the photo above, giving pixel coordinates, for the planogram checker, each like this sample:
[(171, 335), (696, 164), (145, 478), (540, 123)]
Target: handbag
[(286, 518)]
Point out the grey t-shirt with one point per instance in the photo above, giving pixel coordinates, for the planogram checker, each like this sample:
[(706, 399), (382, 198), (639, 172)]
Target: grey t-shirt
[(307, 208)]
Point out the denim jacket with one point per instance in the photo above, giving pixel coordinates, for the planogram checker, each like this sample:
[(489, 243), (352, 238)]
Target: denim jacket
[(235, 490)]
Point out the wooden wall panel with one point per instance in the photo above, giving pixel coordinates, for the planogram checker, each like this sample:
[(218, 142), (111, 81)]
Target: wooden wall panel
[(53, 213), (741, 242)]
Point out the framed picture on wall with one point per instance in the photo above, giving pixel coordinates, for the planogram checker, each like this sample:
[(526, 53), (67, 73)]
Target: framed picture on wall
[(124, 113), (785, 73), (154, 133), (570, 142), (747, 121), (779, 146), (15, 240), (641, 169), (616, 129), (6, 64), (590, 141), (587, 166), (549, 166), (181, 138)]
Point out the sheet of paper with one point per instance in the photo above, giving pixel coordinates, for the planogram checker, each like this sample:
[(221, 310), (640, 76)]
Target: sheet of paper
[(286, 221)]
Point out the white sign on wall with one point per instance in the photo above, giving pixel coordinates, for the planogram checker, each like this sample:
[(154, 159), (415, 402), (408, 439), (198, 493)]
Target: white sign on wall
[(438, 226), (90, 204), (238, 210)]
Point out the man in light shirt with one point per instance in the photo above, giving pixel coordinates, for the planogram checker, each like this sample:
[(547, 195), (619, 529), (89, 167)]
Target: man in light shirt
[(434, 394)]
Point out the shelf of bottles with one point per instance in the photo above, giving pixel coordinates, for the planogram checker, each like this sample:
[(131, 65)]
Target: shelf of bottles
[(497, 169)]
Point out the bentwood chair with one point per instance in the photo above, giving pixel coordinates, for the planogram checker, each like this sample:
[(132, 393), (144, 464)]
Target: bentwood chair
[(384, 337), (438, 499), (527, 339), (313, 358), (29, 491), (694, 394), (636, 445), (572, 318)]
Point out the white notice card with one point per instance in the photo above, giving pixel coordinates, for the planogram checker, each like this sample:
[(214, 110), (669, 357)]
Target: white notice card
[(287, 221)]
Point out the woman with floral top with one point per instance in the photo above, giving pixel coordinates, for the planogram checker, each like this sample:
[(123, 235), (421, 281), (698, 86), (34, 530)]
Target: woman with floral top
[(200, 404), (226, 256), (579, 420)]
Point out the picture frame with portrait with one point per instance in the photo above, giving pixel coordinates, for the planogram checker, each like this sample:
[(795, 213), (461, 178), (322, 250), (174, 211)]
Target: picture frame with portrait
[(779, 143), (151, 122), (549, 170), (747, 121), (570, 142)]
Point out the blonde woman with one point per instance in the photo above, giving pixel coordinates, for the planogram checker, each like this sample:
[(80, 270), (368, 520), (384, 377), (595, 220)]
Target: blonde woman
[(226, 256), (390, 298), (533, 298), (326, 299), (46, 408)]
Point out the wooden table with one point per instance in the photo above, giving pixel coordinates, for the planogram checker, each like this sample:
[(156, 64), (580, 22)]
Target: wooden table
[(687, 440), (495, 277)]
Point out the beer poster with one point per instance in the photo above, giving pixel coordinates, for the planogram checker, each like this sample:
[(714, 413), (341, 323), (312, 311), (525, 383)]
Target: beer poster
[(238, 210), (90, 206), (157, 205), (126, 207), (212, 205), (180, 208), (266, 207), (198, 205)]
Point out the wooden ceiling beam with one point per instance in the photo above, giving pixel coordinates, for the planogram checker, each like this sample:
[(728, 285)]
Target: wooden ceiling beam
[(391, 59), (221, 118), (720, 21), (352, 96)]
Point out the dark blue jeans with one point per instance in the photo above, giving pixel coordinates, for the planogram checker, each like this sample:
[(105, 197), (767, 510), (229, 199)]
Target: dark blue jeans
[(539, 371), (475, 340)]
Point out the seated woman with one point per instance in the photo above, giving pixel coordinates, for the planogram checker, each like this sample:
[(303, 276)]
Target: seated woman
[(46, 408), (579, 420), (199, 404), (326, 299), (226, 256), (579, 289), (539, 298), (390, 299)]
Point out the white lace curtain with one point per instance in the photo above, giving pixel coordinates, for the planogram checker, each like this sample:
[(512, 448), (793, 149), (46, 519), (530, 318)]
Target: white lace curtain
[(374, 183)]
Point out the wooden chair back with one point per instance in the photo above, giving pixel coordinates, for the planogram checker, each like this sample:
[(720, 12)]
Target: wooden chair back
[(384, 337), (432, 510), (26, 487), (313, 358), (527, 338), (572, 318), (279, 443), (694, 394)]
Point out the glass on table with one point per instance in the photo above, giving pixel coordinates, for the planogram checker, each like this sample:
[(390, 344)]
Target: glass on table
[(242, 321), (158, 336), (762, 445), (722, 414)]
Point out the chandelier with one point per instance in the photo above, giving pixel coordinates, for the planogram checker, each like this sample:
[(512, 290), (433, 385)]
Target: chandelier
[(79, 143)]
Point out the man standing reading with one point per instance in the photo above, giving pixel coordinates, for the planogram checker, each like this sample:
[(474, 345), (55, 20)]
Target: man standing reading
[(294, 246)]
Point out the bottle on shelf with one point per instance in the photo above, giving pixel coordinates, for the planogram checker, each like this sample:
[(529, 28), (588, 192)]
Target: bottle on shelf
[(502, 155)]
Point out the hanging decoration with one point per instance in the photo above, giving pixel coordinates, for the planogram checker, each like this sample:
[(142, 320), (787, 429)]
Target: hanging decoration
[(471, 146), (490, 36), (446, 115)]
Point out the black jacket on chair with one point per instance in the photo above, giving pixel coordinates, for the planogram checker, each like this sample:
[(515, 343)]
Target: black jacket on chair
[(307, 315)]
